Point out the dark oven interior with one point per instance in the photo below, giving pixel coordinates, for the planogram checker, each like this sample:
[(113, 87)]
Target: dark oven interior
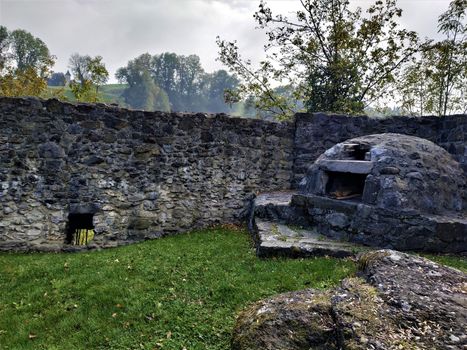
[(345, 185)]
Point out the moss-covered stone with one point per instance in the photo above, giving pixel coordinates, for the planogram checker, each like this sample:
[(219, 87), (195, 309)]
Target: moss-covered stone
[(300, 320)]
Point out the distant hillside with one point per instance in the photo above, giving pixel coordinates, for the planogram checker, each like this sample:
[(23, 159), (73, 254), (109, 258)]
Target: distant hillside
[(111, 93)]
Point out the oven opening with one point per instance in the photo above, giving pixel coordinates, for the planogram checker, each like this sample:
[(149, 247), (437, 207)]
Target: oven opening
[(345, 185)]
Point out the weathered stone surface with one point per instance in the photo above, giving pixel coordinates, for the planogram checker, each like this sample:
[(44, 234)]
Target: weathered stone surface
[(324, 203), (292, 321), (348, 221), (275, 239), (179, 170), (276, 207), (427, 299), (369, 225), (141, 174), (415, 197), (350, 166), (402, 302), (338, 220)]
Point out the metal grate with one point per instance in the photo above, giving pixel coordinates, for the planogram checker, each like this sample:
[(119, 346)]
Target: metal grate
[(80, 229), (83, 236)]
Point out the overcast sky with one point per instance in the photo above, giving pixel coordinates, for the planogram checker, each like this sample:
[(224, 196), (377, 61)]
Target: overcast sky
[(120, 30)]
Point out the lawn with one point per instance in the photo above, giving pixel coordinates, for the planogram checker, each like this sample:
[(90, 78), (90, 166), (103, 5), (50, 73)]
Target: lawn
[(179, 292)]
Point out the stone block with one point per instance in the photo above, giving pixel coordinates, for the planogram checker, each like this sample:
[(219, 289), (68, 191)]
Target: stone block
[(346, 166)]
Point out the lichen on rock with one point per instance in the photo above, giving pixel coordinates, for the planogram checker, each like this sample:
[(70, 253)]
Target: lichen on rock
[(400, 301)]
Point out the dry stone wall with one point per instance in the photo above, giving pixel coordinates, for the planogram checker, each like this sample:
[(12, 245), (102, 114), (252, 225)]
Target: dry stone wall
[(141, 175)]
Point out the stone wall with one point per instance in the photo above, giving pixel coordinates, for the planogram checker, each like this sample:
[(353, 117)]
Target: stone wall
[(147, 174), (317, 132), (142, 175)]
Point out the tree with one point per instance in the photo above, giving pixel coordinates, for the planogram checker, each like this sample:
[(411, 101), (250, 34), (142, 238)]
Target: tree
[(179, 78), (453, 53), (4, 44), (187, 84), (190, 81), (89, 74), (28, 51), (78, 65), (146, 95), (98, 74), (435, 83), (215, 86), (164, 69), (142, 92), (336, 60), (25, 82), (25, 63), (413, 89)]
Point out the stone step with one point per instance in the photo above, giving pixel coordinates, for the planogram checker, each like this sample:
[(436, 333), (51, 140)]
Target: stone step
[(276, 206), (361, 223), (276, 239)]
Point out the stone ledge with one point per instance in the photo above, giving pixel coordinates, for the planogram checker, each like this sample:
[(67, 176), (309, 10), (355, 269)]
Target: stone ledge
[(347, 206), (406, 230), (275, 239), (347, 166)]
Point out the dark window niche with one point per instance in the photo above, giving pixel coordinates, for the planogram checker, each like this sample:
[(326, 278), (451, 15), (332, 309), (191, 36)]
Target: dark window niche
[(345, 185), (80, 229), (358, 151)]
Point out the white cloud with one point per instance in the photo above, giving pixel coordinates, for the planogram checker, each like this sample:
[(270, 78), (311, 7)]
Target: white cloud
[(120, 30)]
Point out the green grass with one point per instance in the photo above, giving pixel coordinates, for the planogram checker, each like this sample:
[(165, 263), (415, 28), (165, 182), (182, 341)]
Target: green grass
[(110, 93), (172, 293), (457, 262), (58, 91)]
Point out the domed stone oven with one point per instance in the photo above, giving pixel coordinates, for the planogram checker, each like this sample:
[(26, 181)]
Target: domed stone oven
[(388, 190), (390, 171)]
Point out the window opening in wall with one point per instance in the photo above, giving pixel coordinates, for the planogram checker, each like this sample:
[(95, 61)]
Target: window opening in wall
[(345, 185), (80, 229)]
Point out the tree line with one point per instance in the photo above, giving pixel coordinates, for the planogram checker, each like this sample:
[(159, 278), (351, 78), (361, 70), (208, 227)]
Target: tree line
[(174, 82), (165, 82), (325, 57)]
